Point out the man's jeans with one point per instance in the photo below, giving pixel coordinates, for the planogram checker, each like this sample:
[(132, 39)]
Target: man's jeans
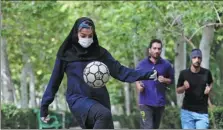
[(194, 120)]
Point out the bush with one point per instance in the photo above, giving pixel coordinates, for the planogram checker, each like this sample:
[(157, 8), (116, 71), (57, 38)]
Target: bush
[(216, 118), (131, 121), (170, 119), (14, 118)]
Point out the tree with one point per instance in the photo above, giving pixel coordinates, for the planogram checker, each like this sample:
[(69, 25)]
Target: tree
[(180, 60), (205, 45), (33, 35), (37, 29), (8, 91)]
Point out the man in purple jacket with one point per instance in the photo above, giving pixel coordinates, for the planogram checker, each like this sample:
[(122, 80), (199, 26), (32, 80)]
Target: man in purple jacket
[(152, 92)]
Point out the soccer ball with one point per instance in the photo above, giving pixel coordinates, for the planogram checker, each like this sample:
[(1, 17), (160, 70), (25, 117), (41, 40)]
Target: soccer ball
[(96, 74)]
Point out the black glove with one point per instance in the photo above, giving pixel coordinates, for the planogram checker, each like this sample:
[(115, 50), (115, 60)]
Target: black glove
[(44, 114), (152, 75)]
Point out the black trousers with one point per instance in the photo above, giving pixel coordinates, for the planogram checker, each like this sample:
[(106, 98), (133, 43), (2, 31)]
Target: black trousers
[(150, 116), (99, 117)]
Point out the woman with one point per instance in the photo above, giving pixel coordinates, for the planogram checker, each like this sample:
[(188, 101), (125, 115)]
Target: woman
[(90, 106)]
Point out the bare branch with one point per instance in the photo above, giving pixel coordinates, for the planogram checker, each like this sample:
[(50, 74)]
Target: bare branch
[(180, 34), (175, 20), (206, 25), (189, 41), (215, 24), (219, 19)]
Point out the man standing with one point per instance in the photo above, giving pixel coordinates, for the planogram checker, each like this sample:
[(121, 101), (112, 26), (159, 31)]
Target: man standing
[(196, 82), (152, 93)]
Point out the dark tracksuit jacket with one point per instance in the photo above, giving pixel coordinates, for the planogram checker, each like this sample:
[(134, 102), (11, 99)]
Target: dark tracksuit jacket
[(79, 96)]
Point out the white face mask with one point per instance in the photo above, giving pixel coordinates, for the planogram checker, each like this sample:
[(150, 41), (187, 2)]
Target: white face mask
[(85, 42)]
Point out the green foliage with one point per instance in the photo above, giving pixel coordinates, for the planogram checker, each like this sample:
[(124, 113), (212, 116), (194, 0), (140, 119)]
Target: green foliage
[(116, 91), (130, 122), (38, 28), (170, 119), (14, 118), (216, 118), (32, 29)]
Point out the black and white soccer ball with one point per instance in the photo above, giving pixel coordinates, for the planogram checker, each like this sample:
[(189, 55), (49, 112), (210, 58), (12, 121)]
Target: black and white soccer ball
[(96, 74)]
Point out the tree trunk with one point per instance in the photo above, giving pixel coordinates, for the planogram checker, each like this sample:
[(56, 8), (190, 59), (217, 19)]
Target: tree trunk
[(179, 61), (136, 61), (27, 81), (135, 58), (159, 35), (127, 98), (32, 93), (23, 82), (24, 91), (219, 56), (8, 90), (205, 45)]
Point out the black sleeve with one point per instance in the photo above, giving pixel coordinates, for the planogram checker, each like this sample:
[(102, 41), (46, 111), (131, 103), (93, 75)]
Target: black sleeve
[(180, 80), (210, 79)]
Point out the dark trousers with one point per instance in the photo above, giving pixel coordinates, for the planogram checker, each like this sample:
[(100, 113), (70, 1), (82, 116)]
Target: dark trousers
[(99, 117), (150, 116)]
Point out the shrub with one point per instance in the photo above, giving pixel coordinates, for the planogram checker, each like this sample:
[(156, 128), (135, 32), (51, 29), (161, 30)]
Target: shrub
[(171, 119), (14, 118)]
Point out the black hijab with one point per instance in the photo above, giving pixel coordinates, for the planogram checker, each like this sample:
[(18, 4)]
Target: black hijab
[(71, 50)]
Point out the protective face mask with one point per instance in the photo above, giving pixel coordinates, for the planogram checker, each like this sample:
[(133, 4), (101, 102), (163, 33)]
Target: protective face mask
[(85, 42)]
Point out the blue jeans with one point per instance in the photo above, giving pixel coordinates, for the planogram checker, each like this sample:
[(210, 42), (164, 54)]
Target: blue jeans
[(194, 120)]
